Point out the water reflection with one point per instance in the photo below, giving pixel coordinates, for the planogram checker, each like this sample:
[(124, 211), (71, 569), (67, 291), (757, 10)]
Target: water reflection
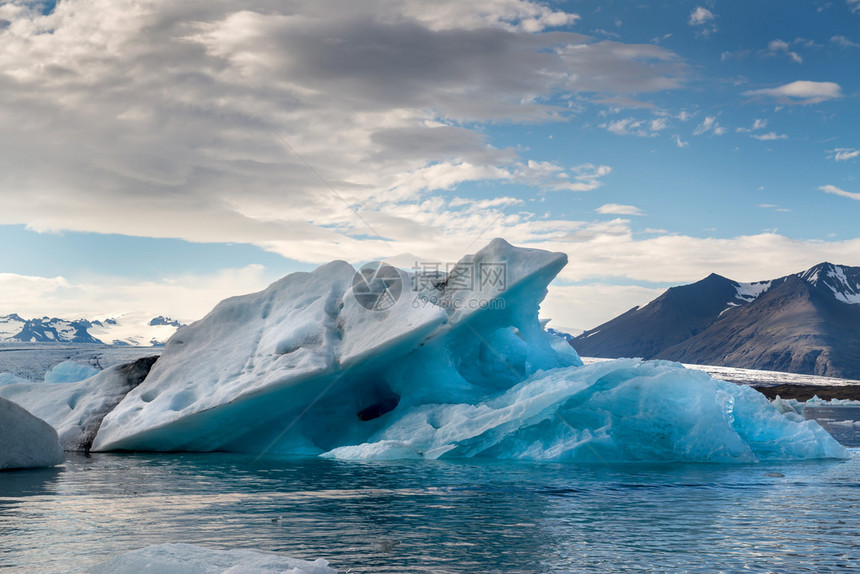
[(27, 482)]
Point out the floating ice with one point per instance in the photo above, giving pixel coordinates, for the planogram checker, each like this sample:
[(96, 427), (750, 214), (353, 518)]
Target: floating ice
[(76, 409), (455, 367), (623, 410), (25, 440), (70, 372), (190, 559), (10, 379)]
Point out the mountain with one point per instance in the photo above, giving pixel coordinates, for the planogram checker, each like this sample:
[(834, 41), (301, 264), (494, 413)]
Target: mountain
[(806, 323), (134, 329)]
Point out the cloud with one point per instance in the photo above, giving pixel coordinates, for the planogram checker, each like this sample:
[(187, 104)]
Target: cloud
[(575, 308), (679, 142), (854, 5), (517, 15), (636, 127), (709, 124), (700, 16), (758, 124), (844, 153), (211, 121), (658, 124), (770, 136), (618, 209), (781, 46), (844, 42), (841, 192), (801, 92), (187, 297), (774, 207)]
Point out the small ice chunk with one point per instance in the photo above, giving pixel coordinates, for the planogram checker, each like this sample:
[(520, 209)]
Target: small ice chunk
[(70, 372), (26, 441), (191, 559)]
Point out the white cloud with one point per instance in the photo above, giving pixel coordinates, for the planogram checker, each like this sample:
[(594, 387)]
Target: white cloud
[(841, 192), (770, 136), (679, 142), (515, 15), (758, 124), (709, 124), (854, 5), (700, 16), (844, 153), (844, 42), (619, 209), (781, 46), (774, 207), (187, 297), (575, 308), (633, 126), (626, 126), (801, 92), (659, 124)]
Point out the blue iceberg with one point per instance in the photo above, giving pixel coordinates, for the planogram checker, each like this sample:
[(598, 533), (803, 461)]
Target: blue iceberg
[(381, 364)]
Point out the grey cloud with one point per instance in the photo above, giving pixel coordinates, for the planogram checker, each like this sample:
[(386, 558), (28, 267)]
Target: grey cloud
[(151, 119)]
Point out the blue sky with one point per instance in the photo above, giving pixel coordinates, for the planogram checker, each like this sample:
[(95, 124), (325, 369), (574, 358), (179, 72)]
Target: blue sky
[(158, 157)]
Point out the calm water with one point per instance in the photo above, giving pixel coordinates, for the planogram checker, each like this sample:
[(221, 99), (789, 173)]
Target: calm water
[(440, 516)]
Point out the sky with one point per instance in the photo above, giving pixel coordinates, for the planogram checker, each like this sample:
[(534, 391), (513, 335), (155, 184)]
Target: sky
[(159, 156)]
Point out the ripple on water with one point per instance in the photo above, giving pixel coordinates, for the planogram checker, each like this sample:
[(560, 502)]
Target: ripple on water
[(439, 516)]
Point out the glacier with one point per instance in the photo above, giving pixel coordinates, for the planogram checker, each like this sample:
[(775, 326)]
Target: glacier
[(26, 441), (447, 369)]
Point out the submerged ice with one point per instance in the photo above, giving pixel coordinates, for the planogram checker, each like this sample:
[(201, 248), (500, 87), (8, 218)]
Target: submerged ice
[(453, 366)]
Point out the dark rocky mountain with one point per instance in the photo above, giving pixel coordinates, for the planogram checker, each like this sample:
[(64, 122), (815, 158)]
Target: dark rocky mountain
[(161, 320), (805, 323)]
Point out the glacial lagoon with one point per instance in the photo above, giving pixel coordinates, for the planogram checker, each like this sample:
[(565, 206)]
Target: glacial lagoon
[(439, 516)]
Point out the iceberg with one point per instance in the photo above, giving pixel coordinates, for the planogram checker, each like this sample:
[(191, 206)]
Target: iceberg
[(26, 441), (191, 559), (10, 379), (69, 372), (614, 411), (380, 363), (76, 409)]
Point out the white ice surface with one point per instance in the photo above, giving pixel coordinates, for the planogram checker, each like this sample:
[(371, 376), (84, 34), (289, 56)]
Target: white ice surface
[(191, 559), (25, 440)]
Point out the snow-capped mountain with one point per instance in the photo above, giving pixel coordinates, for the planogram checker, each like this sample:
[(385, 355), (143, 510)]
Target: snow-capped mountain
[(843, 282), (136, 329), (808, 322)]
